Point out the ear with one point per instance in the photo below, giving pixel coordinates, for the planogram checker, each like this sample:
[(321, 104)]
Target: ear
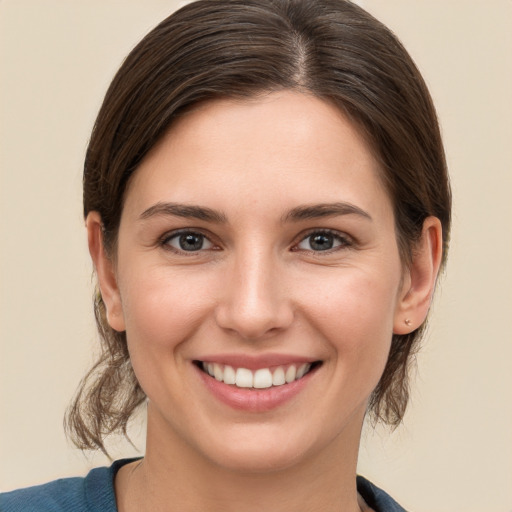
[(105, 271), (420, 279)]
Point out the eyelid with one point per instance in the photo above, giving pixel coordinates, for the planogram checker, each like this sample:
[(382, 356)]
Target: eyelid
[(346, 240), (163, 241)]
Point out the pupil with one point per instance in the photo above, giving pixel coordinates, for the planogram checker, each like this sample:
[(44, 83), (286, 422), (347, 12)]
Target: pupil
[(191, 242), (321, 242)]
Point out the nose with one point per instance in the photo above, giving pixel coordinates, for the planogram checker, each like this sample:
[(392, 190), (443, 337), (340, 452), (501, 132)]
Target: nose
[(255, 303)]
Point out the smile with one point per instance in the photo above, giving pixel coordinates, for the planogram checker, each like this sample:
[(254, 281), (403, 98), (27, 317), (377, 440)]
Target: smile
[(261, 378), (256, 385)]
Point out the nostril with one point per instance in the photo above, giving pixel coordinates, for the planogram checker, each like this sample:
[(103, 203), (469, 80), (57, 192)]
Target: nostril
[(254, 322)]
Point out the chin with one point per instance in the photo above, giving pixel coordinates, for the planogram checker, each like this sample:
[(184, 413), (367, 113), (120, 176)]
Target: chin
[(261, 452), (258, 459)]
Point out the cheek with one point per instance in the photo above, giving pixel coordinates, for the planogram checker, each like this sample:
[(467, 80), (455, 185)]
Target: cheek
[(354, 312), (161, 311), (160, 317), (160, 306)]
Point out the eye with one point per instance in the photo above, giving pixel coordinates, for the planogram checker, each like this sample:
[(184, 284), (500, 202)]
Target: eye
[(323, 241), (188, 241)]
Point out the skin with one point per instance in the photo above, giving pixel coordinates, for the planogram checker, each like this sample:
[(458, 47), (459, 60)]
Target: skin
[(258, 286)]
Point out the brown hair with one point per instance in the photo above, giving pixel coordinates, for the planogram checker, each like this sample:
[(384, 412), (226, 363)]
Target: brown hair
[(209, 49)]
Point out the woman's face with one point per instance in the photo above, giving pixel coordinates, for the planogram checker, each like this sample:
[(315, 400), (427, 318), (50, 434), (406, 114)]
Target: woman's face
[(256, 238)]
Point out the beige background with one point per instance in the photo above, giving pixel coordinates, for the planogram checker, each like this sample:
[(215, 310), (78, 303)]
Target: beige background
[(454, 452)]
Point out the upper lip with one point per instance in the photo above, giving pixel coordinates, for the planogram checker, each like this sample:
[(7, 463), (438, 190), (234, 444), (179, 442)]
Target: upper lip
[(254, 362)]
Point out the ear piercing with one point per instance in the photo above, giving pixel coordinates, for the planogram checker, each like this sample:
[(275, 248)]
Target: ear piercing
[(407, 321)]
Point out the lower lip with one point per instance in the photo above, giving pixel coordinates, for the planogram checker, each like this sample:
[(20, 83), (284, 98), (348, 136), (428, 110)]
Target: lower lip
[(254, 400)]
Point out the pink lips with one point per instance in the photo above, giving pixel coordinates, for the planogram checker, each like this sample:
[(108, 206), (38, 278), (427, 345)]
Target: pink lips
[(250, 399)]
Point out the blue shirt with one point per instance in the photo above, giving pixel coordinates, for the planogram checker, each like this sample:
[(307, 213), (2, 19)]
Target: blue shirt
[(95, 493)]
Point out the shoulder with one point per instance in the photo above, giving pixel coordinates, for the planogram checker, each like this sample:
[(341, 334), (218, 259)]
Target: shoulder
[(376, 498), (59, 495), (93, 493)]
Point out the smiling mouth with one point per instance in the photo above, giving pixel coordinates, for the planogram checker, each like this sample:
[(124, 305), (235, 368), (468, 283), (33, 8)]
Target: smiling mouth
[(262, 378)]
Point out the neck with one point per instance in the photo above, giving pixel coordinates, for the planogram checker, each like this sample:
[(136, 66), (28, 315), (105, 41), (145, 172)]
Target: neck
[(173, 476)]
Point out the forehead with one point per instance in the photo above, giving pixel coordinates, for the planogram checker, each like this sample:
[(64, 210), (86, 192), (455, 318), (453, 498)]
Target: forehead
[(285, 146)]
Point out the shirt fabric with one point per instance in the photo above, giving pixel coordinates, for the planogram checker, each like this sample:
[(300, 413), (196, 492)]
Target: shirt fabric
[(95, 493)]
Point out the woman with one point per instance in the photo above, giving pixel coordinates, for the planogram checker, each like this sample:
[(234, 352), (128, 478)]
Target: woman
[(267, 208)]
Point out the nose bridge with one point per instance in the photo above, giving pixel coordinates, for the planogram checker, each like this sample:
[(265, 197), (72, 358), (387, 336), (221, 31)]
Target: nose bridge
[(255, 302)]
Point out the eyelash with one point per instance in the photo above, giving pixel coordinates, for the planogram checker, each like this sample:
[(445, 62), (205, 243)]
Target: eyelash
[(343, 241), (164, 241)]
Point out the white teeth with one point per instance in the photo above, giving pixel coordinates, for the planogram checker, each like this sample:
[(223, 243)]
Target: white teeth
[(302, 370), (229, 375), (278, 377), (262, 378), (259, 379), (290, 374), (244, 378), (217, 372)]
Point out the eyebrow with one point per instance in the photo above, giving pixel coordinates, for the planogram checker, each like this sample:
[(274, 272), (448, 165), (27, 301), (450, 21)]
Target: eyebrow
[(299, 213), (184, 210), (318, 211)]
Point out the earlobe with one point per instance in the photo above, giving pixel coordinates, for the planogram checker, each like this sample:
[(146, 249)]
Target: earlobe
[(105, 272), (420, 280)]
